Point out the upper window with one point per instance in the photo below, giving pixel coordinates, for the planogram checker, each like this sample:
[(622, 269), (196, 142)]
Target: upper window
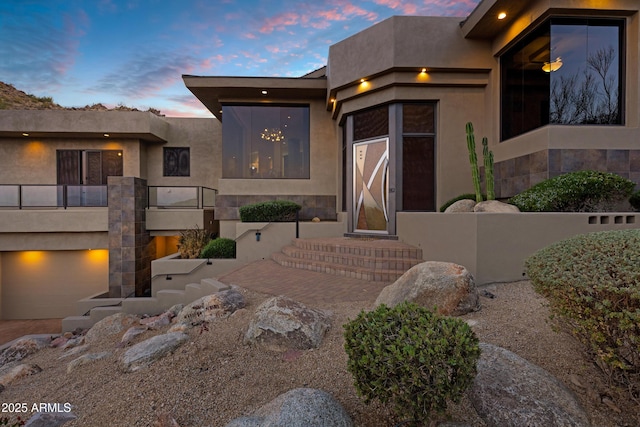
[(568, 71), (265, 141), (176, 161)]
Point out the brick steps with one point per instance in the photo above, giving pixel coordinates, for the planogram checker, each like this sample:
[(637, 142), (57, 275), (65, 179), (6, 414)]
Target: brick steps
[(371, 259)]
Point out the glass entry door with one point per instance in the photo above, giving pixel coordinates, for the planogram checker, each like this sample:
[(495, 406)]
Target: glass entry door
[(371, 186)]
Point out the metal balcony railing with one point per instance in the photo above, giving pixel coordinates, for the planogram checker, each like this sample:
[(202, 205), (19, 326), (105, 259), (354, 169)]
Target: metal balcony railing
[(181, 197), (21, 196)]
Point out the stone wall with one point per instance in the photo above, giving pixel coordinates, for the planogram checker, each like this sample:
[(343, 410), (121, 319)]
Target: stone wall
[(515, 175), (131, 247)]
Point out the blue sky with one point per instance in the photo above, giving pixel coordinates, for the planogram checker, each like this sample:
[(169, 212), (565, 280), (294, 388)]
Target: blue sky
[(134, 52)]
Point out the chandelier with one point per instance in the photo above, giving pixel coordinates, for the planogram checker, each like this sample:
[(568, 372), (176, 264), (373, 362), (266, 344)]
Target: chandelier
[(274, 135), (549, 67)]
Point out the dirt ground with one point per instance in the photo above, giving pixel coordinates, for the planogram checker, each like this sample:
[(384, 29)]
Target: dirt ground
[(215, 378)]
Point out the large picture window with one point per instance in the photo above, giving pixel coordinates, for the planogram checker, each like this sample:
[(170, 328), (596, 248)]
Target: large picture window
[(569, 71), (265, 141)]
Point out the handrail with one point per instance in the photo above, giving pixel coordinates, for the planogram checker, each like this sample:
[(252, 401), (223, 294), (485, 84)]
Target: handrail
[(179, 196), (20, 196)]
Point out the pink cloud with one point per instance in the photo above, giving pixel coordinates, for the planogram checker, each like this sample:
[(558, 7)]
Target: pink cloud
[(279, 22)]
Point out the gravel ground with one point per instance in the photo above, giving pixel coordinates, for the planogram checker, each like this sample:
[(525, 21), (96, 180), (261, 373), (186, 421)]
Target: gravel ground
[(215, 378)]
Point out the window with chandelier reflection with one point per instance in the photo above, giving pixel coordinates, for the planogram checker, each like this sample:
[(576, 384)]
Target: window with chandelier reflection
[(265, 141)]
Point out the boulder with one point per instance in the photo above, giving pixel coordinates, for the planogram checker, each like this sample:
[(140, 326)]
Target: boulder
[(495, 206), (447, 286), (301, 407), (146, 352), (510, 391), (18, 372), (111, 325), (464, 205), (281, 323), (86, 359), (23, 347), (211, 307)]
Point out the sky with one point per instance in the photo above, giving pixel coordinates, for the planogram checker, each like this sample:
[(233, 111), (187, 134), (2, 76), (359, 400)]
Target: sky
[(134, 52)]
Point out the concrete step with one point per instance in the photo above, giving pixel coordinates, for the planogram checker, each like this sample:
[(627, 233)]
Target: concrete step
[(149, 306), (170, 297), (99, 313), (71, 323), (214, 285)]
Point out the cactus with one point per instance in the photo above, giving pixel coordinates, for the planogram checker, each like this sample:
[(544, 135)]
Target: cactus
[(473, 160), (488, 169)]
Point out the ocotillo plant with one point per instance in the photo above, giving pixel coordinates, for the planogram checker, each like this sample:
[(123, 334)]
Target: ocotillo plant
[(473, 160), (488, 169)]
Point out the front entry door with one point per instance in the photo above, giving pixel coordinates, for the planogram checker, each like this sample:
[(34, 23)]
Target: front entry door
[(371, 186)]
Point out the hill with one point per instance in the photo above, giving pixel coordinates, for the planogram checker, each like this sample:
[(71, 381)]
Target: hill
[(15, 99)]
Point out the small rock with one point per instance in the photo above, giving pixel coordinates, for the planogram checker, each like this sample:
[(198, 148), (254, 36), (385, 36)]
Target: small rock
[(131, 333), (494, 206), (74, 351), (110, 326), (165, 420), (607, 401), (146, 352), (464, 205), (19, 372), (86, 359), (59, 341), (23, 347), (73, 342), (50, 419), (157, 322), (301, 407), (211, 307)]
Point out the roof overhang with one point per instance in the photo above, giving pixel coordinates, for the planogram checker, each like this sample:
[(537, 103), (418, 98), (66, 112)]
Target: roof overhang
[(483, 22), (76, 124), (212, 91)]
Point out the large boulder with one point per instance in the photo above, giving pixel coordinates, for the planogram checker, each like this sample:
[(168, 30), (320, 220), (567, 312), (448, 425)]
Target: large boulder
[(448, 286), (211, 307), (495, 206), (110, 325), (511, 392), (281, 323), (301, 407), (464, 205), (146, 352)]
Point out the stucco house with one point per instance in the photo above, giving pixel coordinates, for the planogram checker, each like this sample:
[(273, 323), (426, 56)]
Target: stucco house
[(368, 144)]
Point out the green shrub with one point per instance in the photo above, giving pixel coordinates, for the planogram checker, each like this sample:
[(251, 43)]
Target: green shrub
[(219, 248), (634, 200), (581, 191), (410, 357), (191, 242), (273, 211), (593, 282), (466, 196)]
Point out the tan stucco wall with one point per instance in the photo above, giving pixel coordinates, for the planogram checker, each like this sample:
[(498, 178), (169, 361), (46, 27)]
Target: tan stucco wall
[(322, 162), (204, 139), (493, 247), (47, 284), (33, 160)]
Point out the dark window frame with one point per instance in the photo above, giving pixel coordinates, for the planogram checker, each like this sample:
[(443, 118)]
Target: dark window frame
[(173, 161), (527, 99)]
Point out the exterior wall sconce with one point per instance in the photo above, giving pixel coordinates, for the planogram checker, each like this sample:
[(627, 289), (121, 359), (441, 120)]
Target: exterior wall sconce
[(502, 15), (168, 277), (549, 67), (258, 234)]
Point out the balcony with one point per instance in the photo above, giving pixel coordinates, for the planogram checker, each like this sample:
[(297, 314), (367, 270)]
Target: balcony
[(171, 209), (52, 196)]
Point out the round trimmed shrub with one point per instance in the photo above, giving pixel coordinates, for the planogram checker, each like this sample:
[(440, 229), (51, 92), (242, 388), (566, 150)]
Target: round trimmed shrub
[(411, 358), (581, 191), (272, 211), (219, 248), (593, 283)]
